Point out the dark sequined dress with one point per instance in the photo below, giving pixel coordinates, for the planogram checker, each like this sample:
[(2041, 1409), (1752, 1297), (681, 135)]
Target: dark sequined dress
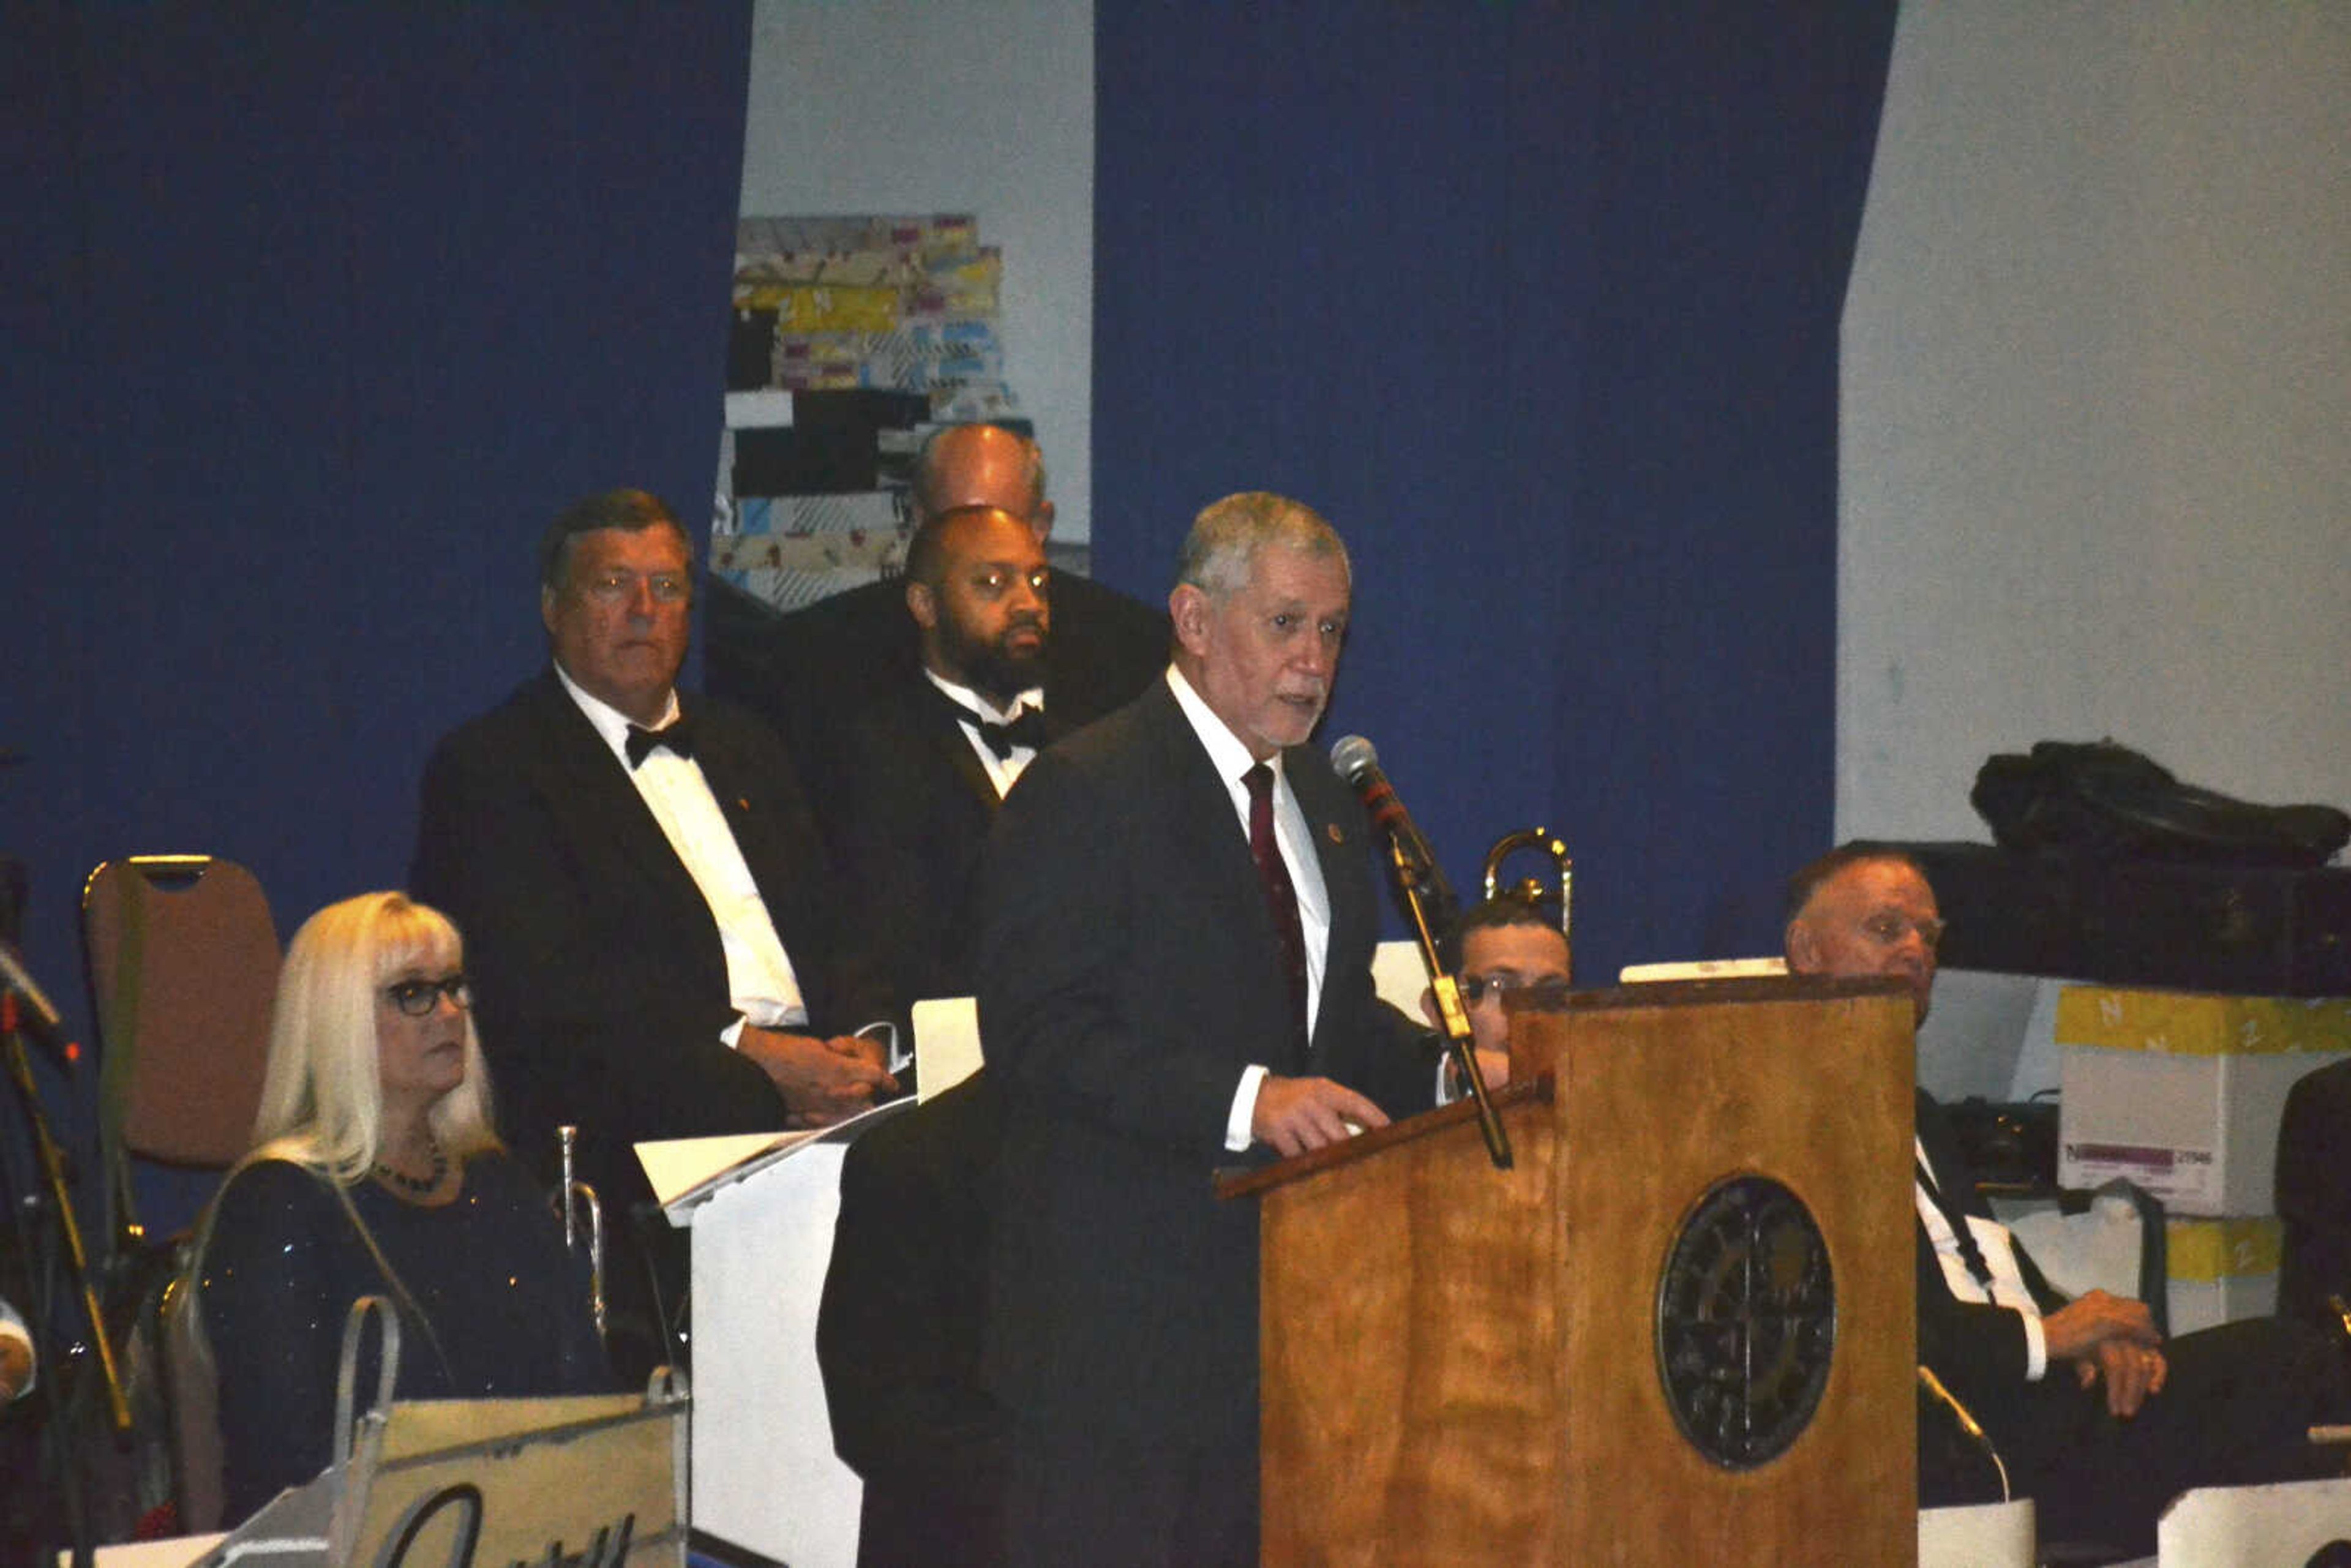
[(507, 1308)]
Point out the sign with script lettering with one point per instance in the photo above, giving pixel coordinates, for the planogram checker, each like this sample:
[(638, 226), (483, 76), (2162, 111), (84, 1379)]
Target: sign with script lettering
[(584, 1481)]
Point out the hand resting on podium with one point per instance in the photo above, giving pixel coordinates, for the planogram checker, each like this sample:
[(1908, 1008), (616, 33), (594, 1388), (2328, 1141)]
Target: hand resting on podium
[(1295, 1114)]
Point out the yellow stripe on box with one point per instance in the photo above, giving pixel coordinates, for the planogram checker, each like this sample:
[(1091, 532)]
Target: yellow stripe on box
[(2189, 1023), (2210, 1249)]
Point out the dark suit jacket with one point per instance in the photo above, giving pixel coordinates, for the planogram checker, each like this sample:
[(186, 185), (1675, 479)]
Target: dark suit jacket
[(2236, 1402), (911, 810), (1977, 1350), (1128, 974), (599, 982), (898, 1334), (2313, 1193)]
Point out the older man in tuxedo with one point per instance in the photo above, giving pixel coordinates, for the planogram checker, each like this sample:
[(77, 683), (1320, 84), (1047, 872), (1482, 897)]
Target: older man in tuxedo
[(649, 923), (1176, 937), (2099, 1417)]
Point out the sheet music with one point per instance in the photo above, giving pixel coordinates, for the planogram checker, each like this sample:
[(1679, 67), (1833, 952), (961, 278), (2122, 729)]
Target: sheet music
[(685, 1172), (946, 1043)]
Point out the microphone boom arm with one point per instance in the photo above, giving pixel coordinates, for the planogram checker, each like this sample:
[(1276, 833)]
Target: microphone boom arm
[(1453, 1018)]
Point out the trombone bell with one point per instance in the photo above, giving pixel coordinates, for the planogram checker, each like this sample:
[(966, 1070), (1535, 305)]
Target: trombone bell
[(1530, 888)]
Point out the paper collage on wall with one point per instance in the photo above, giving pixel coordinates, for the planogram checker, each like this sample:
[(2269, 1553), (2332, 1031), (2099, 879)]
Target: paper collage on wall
[(853, 338)]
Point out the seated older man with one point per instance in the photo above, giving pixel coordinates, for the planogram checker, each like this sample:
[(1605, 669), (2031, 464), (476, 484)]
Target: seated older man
[(2099, 1417)]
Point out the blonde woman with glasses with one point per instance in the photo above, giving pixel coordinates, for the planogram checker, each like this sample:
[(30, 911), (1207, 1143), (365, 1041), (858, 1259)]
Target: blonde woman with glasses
[(377, 1172)]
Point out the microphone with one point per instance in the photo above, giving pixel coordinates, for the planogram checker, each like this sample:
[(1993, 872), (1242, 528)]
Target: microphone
[(28, 1008), (1357, 762), (1426, 900)]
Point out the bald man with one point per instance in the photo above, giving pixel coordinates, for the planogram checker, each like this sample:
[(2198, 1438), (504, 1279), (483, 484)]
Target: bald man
[(2099, 1418), (818, 672), (912, 778)]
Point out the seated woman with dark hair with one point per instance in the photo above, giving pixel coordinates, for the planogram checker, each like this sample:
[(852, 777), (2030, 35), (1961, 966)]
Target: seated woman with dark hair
[(377, 1173)]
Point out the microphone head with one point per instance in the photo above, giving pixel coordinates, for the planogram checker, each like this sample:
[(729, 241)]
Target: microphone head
[(1352, 758)]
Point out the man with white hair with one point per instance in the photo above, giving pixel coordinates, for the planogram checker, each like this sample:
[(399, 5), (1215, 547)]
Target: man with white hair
[(2099, 1417), (1177, 920)]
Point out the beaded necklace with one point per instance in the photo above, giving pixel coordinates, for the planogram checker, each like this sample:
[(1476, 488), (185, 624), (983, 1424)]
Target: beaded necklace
[(400, 1181)]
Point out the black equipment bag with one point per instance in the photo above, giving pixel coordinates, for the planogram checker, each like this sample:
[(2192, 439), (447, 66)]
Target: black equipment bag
[(2107, 801)]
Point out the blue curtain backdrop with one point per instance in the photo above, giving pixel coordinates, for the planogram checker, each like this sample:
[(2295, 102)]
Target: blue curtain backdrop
[(1539, 304), (316, 315)]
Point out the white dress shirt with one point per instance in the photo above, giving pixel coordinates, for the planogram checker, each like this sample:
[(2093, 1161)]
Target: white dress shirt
[(1999, 1250), (760, 982), (1232, 761)]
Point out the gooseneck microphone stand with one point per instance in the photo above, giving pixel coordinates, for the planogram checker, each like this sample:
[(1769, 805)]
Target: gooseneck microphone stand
[(1454, 1020), (59, 1203)]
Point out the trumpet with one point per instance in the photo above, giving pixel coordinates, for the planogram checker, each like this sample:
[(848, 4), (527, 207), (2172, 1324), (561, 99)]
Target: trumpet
[(1530, 888), (572, 1195)]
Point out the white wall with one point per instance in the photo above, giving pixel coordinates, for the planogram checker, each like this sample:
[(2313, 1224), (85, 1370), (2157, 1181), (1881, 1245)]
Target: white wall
[(2096, 426), (953, 106), (2097, 440)]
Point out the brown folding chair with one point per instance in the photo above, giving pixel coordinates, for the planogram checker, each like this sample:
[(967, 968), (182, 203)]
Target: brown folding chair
[(183, 961)]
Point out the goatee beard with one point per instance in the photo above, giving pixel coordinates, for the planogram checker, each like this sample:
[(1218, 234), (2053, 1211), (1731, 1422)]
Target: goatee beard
[(1000, 677)]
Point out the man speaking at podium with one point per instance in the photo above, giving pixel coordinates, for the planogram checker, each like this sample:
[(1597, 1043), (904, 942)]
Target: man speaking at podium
[(1176, 937)]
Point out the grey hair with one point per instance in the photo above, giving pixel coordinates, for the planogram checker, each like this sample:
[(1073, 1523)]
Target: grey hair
[(629, 510), (1813, 876), (1220, 551)]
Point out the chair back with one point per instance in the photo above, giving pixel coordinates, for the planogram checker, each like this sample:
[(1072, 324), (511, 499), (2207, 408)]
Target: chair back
[(183, 957), (2109, 1239), (191, 1397)]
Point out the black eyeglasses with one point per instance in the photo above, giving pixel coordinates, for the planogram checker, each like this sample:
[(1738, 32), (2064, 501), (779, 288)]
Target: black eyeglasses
[(1475, 988), (417, 998)]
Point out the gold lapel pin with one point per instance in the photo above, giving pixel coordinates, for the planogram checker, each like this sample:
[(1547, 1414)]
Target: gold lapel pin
[(1336, 836)]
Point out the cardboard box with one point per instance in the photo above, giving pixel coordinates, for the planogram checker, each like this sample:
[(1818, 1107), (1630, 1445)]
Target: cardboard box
[(2222, 1270), (2181, 1092)]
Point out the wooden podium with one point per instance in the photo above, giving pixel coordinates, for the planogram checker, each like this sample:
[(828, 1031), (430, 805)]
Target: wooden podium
[(1681, 1329)]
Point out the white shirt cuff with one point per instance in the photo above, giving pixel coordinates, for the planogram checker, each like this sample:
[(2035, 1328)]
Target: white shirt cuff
[(1236, 1124), (897, 1058), (2036, 1348), (1445, 1092)]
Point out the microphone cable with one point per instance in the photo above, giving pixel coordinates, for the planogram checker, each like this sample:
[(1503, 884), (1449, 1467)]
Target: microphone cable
[(1950, 1401)]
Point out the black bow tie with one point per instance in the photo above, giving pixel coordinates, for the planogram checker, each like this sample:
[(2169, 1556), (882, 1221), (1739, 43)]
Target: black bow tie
[(677, 735), (1026, 728)]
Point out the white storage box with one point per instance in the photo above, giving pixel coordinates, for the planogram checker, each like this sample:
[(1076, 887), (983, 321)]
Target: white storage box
[(2181, 1092)]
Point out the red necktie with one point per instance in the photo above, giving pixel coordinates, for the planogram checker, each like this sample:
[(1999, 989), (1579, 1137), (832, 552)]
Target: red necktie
[(1280, 902)]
